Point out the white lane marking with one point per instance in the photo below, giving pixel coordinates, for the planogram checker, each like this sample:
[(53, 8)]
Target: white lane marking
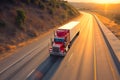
[(70, 57), (30, 73), (107, 56), (94, 55), (95, 70), (28, 53)]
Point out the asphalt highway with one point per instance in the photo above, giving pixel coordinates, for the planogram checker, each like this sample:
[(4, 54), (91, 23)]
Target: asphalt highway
[(89, 58)]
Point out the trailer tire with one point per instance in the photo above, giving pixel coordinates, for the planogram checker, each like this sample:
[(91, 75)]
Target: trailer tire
[(52, 55), (69, 46)]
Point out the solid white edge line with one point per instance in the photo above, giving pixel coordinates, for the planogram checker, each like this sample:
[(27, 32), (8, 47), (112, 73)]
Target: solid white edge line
[(70, 57), (30, 73), (18, 60), (95, 66)]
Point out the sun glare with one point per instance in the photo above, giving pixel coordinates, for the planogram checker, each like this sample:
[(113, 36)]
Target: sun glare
[(106, 1)]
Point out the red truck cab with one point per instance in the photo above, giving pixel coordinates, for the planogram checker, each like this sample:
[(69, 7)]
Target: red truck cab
[(61, 40)]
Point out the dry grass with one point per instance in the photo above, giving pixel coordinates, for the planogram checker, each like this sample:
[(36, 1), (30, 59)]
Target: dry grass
[(114, 27), (37, 22), (9, 48), (109, 14), (1, 49), (11, 52)]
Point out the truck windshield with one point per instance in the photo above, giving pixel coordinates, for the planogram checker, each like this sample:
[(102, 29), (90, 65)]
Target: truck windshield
[(59, 39)]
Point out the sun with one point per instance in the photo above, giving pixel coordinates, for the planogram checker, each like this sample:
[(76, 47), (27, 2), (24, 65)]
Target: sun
[(106, 1)]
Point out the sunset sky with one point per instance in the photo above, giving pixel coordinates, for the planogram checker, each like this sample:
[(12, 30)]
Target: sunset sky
[(96, 1)]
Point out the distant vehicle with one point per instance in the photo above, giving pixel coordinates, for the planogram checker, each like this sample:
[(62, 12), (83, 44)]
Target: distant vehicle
[(63, 38)]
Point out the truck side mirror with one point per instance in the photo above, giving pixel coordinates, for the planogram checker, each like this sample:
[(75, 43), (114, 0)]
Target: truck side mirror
[(64, 44), (51, 41), (54, 33)]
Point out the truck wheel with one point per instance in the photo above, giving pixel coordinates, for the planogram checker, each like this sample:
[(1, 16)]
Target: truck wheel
[(69, 46), (65, 51), (51, 55), (78, 33)]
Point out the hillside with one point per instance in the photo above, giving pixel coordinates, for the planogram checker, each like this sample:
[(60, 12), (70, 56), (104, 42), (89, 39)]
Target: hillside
[(22, 20), (109, 10), (111, 25), (109, 14)]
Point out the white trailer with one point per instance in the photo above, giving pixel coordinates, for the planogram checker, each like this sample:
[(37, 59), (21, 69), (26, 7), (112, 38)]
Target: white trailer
[(72, 27)]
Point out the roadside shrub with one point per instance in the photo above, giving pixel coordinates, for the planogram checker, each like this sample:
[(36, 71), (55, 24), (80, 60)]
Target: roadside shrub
[(2, 49), (36, 2), (26, 1), (11, 1), (20, 18), (41, 5), (32, 33), (44, 0), (2, 24), (50, 11), (117, 17), (64, 16), (70, 13), (63, 5), (53, 3), (57, 5)]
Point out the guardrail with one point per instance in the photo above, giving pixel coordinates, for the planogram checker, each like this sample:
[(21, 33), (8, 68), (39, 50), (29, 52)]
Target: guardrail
[(112, 41)]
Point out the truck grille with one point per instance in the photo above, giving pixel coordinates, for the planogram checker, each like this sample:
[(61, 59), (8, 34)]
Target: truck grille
[(55, 49)]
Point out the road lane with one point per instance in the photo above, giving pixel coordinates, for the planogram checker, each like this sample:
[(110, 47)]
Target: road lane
[(24, 66), (9, 67), (26, 70), (22, 52), (83, 18), (105, 63), (15, 65), (70, 69), (91, 59)]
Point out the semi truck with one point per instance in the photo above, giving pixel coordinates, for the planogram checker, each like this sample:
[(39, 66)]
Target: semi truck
[(63, 38)]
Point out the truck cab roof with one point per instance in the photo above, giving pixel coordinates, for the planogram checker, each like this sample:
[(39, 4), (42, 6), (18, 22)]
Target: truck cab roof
[(61, 33), (69, 25)]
